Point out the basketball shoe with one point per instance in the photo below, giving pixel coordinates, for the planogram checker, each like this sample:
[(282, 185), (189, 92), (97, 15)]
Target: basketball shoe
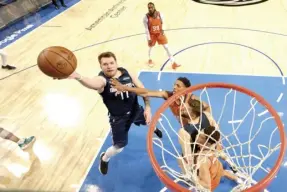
[(26, 142)]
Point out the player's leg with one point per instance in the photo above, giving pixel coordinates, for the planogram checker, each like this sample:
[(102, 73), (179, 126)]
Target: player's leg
[(4, 61), (55, 4), (119, 127), (22, 143), (162, 40), (63, 3), (139, 119), (151, 45)]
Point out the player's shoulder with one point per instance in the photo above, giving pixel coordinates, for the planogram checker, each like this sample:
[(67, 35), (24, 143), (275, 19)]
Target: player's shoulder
[(146, 16), (159, 13), (101, 73), (123, 70), (167, 94), (102, 76)]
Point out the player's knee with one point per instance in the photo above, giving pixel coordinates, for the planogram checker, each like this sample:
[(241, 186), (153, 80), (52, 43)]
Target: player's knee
[(121, 145)]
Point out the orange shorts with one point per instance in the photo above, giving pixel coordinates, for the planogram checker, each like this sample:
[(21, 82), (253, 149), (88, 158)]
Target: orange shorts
[(159, 38), (218, 174)]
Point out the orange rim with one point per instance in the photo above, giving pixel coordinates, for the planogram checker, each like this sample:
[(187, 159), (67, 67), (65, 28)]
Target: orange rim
[(170, 184)]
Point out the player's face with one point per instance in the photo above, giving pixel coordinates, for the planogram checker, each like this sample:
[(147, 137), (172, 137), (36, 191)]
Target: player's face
[(151, 9), (109, 66), (178, 86)]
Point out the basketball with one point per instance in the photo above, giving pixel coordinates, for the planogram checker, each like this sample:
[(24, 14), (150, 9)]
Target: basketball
[(57, 62)]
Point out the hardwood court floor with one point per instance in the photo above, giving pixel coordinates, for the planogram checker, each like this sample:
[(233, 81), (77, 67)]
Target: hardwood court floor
[(70, 122)]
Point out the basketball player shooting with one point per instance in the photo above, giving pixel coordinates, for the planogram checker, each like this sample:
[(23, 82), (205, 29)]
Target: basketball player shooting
[(4, 61), (123, 107), (154, 28)]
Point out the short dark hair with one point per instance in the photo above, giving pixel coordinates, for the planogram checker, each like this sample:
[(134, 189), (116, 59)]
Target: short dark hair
[(150, 3), (185, 81), (212, 134), (106, 54)]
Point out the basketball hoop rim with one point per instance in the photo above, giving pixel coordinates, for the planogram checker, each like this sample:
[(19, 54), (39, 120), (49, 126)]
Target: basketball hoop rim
[(176, 187)]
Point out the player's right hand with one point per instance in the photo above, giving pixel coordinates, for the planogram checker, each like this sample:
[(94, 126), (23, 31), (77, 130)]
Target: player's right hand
[(74, 75)]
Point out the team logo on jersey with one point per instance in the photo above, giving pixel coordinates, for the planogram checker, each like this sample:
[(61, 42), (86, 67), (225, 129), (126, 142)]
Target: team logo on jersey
[(230, 2)]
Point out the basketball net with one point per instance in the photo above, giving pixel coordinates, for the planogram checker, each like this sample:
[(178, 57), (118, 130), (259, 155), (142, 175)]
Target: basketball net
[(243, 147)]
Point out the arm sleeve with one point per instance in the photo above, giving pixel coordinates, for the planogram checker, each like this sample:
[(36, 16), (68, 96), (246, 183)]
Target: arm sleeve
[(145, 22)]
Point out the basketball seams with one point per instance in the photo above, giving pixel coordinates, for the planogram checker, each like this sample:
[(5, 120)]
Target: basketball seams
[(63, 58), (44, 54), (52, 61)]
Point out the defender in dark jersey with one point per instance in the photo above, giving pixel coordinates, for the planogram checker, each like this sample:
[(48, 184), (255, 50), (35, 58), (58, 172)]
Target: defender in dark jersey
[(123, 107)]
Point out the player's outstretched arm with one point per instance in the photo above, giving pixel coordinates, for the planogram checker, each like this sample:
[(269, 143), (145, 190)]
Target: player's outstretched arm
[(139, 91), (97, 83)]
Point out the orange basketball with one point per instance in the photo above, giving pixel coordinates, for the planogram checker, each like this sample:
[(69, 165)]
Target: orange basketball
[(56, 61)]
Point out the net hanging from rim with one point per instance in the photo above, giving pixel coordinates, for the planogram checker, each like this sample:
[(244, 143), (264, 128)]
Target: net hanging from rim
[(253, 144)]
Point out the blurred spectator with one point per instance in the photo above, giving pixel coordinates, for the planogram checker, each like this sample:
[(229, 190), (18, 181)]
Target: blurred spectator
[(56, 5)]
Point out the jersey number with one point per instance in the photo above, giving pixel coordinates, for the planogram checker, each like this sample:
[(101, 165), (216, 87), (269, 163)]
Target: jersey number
[(124, 95), (155, 28)]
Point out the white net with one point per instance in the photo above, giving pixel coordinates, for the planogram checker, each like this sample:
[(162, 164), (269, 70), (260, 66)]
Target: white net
[(249, 138)]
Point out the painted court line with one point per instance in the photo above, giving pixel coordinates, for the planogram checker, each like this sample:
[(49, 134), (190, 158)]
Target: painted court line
[(93, 161), (235, 121), (212, 73), (279, 98)]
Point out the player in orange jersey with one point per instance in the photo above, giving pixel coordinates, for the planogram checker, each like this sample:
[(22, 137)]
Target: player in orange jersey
[(210, 169), (154, 28), (205, 162)]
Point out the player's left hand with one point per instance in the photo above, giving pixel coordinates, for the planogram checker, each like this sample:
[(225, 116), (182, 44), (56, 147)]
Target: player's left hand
[(117, 85), (147, 115)]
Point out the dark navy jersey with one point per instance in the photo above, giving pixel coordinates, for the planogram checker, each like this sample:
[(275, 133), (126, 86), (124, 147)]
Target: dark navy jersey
[(202, 124), (122, 103)]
